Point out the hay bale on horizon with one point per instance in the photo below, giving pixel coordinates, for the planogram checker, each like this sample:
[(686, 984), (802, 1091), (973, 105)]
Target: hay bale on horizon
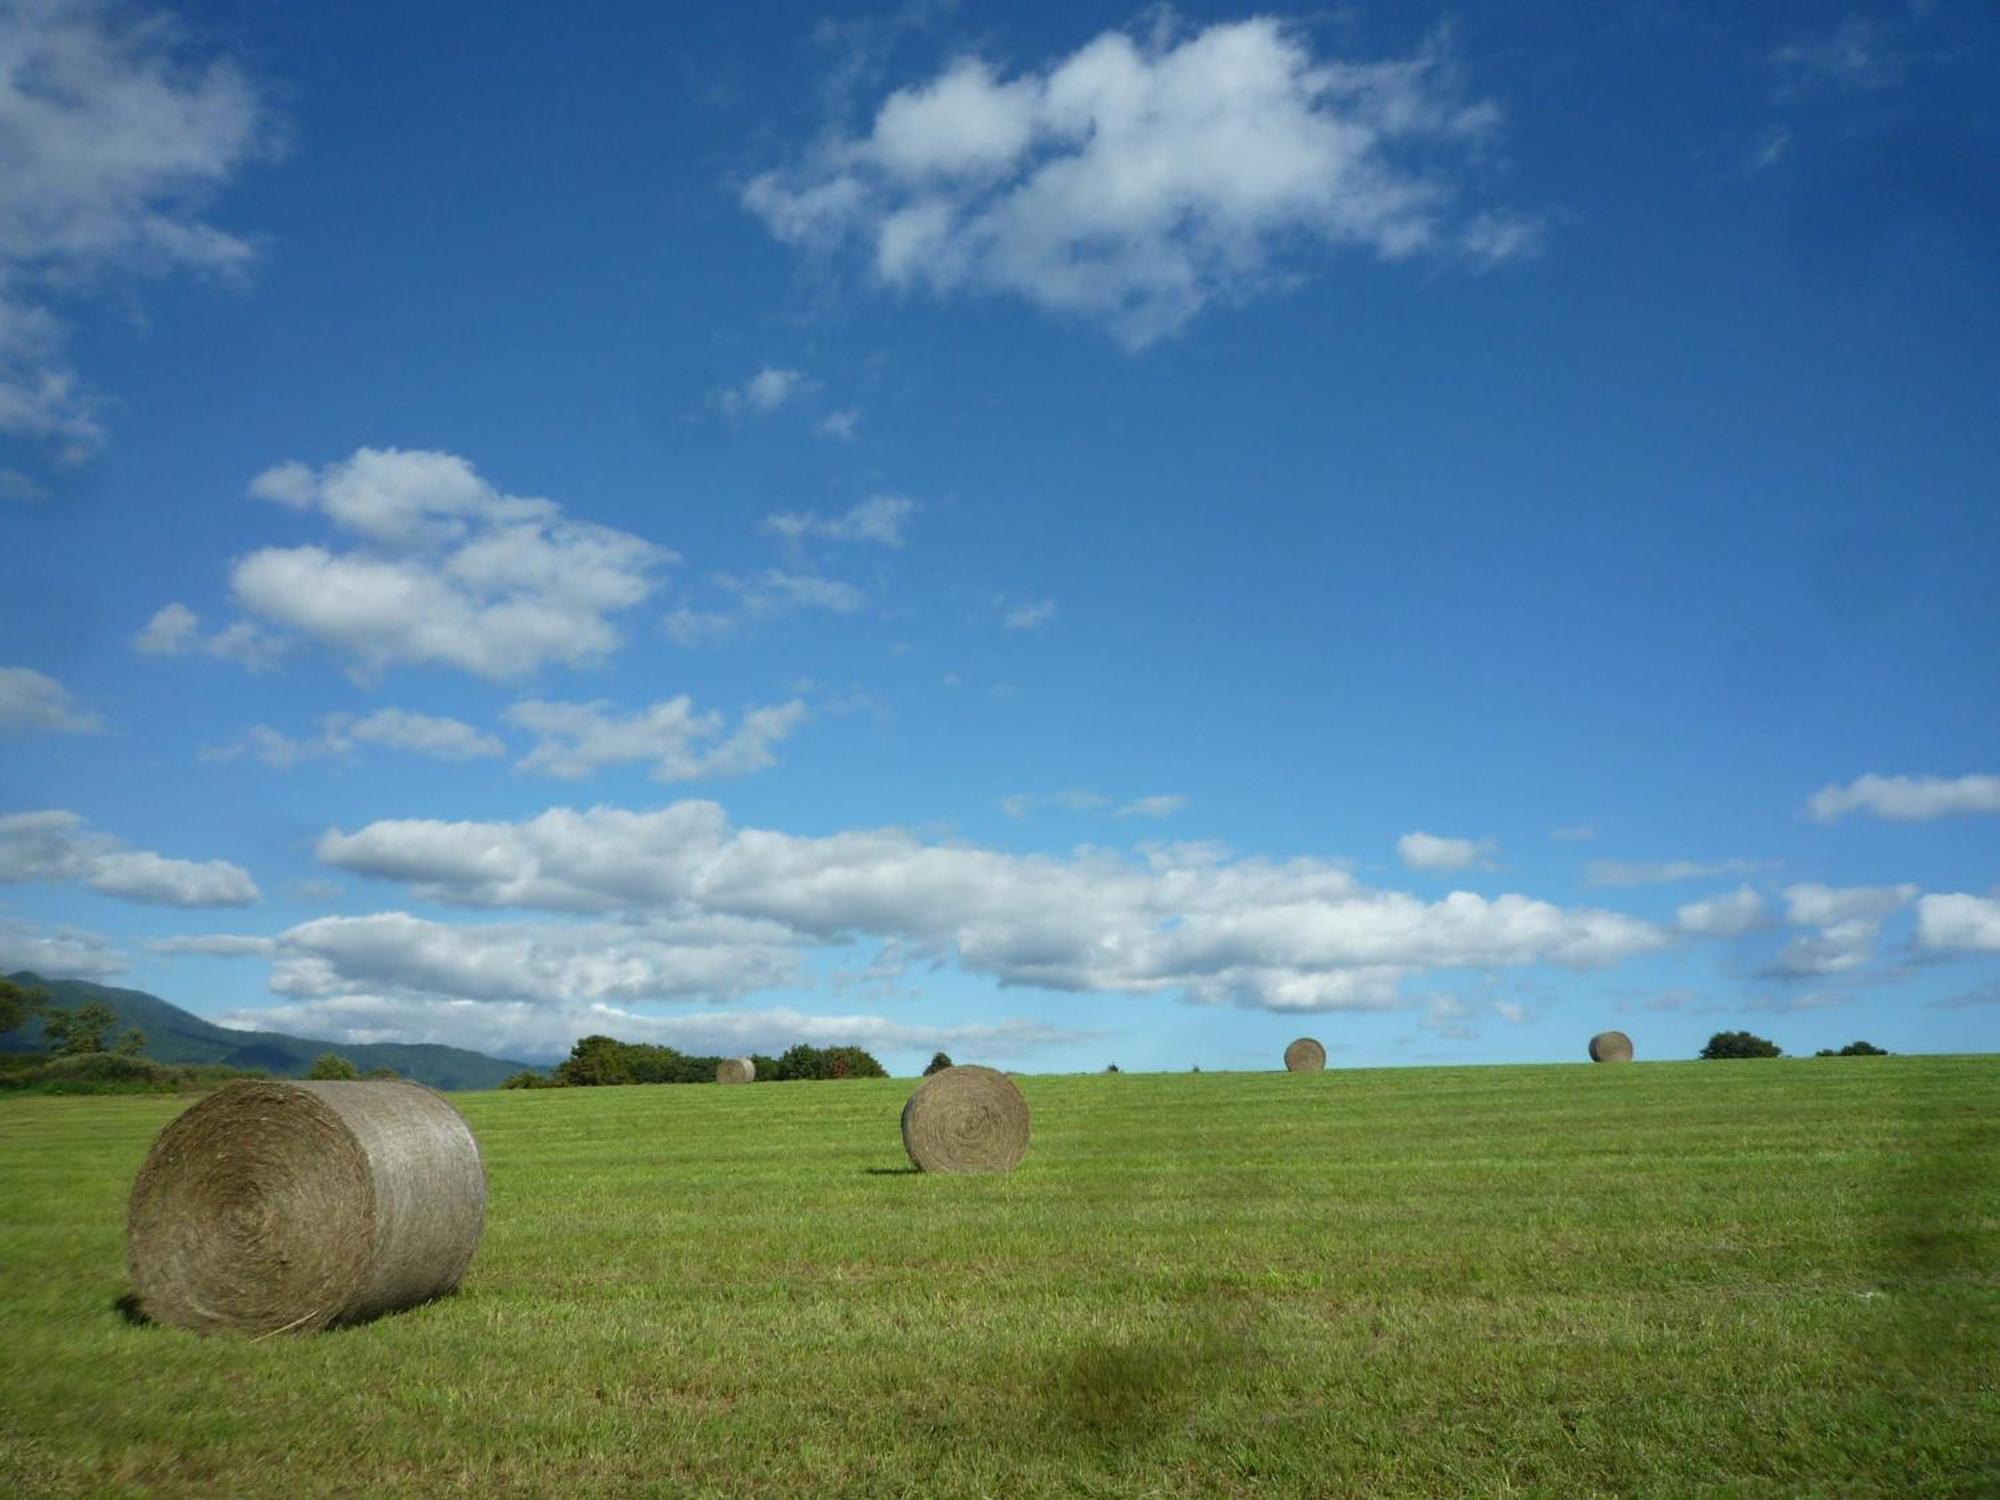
[(1305, 1055), (736, 1070), (966, 1119), (274, 1207), (1611, 1046)]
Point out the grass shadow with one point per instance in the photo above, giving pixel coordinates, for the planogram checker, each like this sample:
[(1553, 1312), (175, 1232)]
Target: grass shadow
[(891, 1171), (128, 1309)]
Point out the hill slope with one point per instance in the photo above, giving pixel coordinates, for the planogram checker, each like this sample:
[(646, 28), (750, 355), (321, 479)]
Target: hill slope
[(178, 1036)]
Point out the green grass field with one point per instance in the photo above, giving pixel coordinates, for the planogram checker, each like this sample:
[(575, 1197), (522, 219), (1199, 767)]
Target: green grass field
[(1665, 1279)]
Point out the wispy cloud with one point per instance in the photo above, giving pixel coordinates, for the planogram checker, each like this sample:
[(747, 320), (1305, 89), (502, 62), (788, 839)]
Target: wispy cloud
[(1907, 799)]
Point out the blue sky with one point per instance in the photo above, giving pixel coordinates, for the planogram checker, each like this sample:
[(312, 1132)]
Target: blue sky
[(1079, 535)]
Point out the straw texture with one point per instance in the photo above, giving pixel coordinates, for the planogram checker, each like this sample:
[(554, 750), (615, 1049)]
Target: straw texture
[(1305, 1056), (1611, 1046), (275, 1207), (966, 1119), (735, 1070)]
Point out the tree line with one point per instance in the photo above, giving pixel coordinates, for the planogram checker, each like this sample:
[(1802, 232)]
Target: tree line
[(598, 1061)]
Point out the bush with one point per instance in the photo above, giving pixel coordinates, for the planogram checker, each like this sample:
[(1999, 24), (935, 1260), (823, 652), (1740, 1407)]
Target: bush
[(1731, 1044), (114, 1073), (331, 1067), (528, 1078), (1854, 1049), (938, 1063)]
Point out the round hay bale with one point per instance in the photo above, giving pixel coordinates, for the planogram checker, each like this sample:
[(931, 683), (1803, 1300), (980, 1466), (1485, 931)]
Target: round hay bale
[(735, 1070), (966, 1119), (1611, 1046), (1305, 1056), (273, 1207)]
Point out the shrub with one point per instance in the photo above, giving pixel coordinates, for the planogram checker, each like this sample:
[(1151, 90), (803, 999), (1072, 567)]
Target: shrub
[(331, 1067), (528, 1078), (1854, 1049), (1731, 1044), (938, 1063)]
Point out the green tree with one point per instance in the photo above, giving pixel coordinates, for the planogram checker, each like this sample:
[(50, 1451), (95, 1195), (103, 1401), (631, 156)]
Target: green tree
[(17, 1005), (73, 1032), (1854, 1049), (380, 1075), (1728, 1044), (131, 1044), (331, 1067), (939, 1062)]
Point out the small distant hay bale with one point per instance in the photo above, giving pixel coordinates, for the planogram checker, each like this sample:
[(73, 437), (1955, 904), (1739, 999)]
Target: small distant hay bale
[(966, 1119), (736, 1070), (1305, 1056), (278, 1207), (1611, 1046)]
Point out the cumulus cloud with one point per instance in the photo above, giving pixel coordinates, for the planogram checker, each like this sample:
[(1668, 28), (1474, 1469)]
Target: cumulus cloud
[(1729, 915), (32, 703), (56, 847), (1141, 179), (57, 953), (1621, 872), (175, 630), (1030, 615), (1958, 921), (448, 572), (1907, 799), (765, 392), (113, 132), (577, 739), (1427, 851), (1848, 920), (879, 518), (342, 734), (1296, 935)]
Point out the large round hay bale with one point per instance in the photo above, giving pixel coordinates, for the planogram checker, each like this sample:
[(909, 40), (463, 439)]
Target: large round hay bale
[(1611, 1046), (1305, 1056), (279, 1207), (966, 1119), (735, 1070)]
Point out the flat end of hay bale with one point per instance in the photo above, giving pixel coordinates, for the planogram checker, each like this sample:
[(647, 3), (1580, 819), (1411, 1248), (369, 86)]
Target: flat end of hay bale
[(966, 1119), (276, 1207), (1611, 1047), (1305, 1055), (736, 1070)]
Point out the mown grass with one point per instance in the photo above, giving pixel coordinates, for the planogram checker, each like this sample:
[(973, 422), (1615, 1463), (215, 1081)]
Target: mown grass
[(1765, 1278)]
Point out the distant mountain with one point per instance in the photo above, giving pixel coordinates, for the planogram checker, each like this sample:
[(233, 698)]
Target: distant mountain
[(177, 1036)]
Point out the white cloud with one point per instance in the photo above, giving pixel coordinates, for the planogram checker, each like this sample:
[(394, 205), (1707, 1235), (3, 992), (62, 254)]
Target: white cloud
[(770, 595), (1031, 615), (1908, 799), (1620, 872), (1075, 800), (1141, 179), (1297, 935), (1153, 807), (450, 571), (1575, 833), (1848, 919), (1956, 920), (33, 703), (59, 953), (213, 945), (1427, 851), (880, 518), (1512, 1012), (765, 392), (113, 133), (539, 1033), (843, 426), (56, 847), (175, 630), (1810, 1000), (340, 734), (1729, 915), (1449, 1017), (580, 738)]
